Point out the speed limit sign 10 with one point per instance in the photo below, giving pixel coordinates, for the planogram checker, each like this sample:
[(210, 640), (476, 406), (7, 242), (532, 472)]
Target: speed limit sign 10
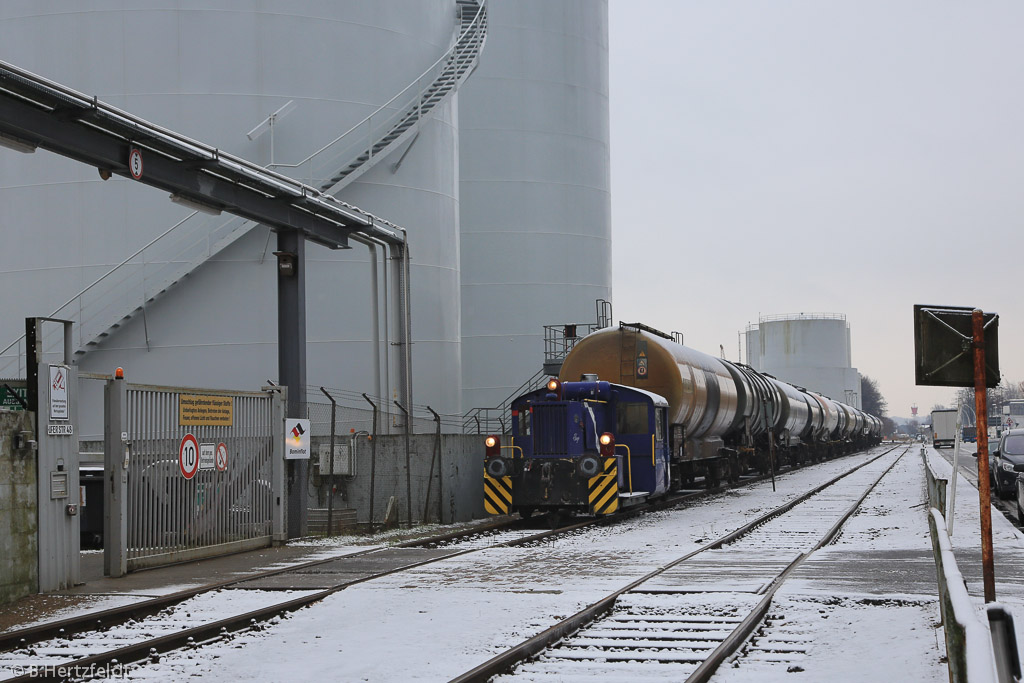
[(188, 456)]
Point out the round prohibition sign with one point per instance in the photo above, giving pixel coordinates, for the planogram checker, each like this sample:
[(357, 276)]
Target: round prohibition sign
[(222, 457), (188, 456), (135, 162)]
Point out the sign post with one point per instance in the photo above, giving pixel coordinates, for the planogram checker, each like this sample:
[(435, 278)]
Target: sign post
[(981, 411), (958, 347)]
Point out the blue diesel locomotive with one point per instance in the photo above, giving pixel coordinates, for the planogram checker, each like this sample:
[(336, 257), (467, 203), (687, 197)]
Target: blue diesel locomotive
[(586, 446)]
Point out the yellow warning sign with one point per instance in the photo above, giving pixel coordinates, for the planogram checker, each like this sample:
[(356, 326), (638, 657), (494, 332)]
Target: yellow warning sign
[(203, 409)]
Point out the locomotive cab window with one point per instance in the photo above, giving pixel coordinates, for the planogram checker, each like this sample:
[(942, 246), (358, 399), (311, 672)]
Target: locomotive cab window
[(659, 424), (524, 422), (631, 418)]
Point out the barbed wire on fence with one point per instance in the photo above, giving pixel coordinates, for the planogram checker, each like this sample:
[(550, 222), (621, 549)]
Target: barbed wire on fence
[(390, 420)]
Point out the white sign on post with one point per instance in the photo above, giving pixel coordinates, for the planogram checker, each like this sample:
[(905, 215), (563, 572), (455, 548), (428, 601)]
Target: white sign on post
[(296, 439), (206, 455), (59, 393)]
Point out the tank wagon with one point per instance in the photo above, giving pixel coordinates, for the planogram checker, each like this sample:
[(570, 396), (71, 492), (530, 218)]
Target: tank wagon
[(635, 414)]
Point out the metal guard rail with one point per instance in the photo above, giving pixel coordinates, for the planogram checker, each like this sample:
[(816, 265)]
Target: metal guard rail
[(118, 123), (968, 645)]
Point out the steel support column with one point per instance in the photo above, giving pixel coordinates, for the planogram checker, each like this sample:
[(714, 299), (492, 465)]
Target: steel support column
[(115, 476), (291, 361)]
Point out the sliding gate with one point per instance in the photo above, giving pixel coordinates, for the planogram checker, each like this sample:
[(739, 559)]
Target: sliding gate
[(194, 472)]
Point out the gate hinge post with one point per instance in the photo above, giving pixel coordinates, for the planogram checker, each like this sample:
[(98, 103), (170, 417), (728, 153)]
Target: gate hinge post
[(115, 478)]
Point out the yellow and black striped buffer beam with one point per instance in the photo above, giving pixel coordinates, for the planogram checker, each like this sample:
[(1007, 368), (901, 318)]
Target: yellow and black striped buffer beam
[(603, 490), (497, 494)]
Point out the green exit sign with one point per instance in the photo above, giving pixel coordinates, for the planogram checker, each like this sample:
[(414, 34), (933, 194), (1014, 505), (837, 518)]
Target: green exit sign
[(9, 397)]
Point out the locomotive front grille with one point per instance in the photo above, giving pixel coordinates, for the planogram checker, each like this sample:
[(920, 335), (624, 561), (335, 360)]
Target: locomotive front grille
[(550, 429)]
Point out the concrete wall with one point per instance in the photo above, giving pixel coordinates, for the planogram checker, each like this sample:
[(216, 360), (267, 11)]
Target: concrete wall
[(461, 478), (19, 563)]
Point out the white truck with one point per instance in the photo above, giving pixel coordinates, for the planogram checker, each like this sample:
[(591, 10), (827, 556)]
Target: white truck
[(944, 427)]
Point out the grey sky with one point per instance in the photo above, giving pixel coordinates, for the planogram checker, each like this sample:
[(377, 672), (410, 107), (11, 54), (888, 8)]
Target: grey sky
[(790, 157)]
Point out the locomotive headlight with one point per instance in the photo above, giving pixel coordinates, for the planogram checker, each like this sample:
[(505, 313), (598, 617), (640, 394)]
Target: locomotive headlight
[(553, 385), (607, 443), (492, 445), (606, 439)]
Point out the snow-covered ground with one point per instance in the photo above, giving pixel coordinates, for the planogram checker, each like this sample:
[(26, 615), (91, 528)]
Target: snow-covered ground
[(856, 622)]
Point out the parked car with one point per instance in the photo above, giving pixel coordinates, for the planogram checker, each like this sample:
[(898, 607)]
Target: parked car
[(1006, 462)]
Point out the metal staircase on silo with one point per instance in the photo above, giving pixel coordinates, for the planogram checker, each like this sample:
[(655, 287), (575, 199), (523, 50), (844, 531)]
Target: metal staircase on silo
[(99, 309)]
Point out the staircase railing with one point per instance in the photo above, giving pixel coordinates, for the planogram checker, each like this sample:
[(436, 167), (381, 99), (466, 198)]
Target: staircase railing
[(559, 340), (498, 420), (394, 121), (129, 287)]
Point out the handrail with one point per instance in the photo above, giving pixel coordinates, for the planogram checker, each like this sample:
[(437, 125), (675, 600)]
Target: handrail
[(514, 449), (801, 316), (502, 408), (443, 58), (102, 277), (629, 464)]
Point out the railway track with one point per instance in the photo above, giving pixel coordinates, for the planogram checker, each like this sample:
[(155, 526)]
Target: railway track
[(683, 620), (71, 648)]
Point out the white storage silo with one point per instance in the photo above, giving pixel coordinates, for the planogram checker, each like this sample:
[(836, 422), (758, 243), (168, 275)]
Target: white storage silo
[(212, 70), (811, 350), (534, 182)]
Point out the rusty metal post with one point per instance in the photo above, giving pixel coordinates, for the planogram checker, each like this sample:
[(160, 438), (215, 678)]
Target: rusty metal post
[(373, 457), (408, 463), (330, 470), (440, 471), (981, 413)]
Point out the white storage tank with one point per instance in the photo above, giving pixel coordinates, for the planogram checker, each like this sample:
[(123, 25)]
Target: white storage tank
[(811, 350), (534, 167), (213, 70)]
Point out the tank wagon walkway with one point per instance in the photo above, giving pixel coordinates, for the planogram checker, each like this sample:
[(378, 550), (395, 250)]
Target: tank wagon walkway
[(862, 608)]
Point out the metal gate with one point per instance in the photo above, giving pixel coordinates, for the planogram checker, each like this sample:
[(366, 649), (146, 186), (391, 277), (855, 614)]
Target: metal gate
[(203, 473)]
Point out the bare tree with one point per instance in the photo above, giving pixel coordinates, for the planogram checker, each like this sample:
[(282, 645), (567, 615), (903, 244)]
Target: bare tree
[(871, 400), (995, 396)]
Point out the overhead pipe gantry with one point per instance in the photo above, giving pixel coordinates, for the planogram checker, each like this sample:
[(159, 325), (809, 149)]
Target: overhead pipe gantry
[(39, 113)]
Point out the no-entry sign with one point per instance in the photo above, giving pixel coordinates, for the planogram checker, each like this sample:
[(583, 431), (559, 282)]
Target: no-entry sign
[(188, 456)]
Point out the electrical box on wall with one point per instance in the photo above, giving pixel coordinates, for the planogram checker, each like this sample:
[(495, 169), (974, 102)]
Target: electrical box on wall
[(343, 461)]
